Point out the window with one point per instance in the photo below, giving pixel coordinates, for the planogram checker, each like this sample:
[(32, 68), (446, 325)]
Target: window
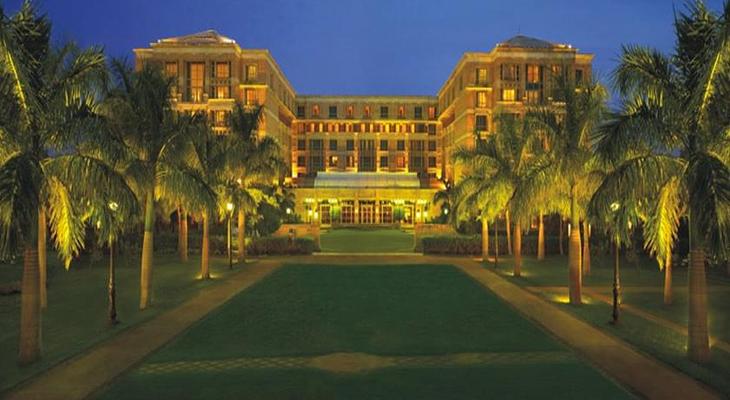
[(384, 162), (222, 83), (316, 163), (350, 144), (418, 112), (481, 123), (251, 97), (401, 145), (481, 76), (251, 72), (315, 110), (171, 69), (578, 76), (315, 144), (556, 71), (509, 72), (383, 145), (220, 118), (417, 145), (432, 162), (431, 145), (333, 161), (401, 112), (301, 144), (384, 112), (366, 111), (432, 129), (432, 113), (301, 161), (350, 161), (420, 128), (481, 99), (417, 162), (196, 72), (300, 111), (533, 74), (400, 162), (333, 144), (509, 95), (350, 111), (534, 96), (333, 112)]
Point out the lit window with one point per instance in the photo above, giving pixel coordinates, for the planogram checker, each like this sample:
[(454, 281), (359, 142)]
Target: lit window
[(333, 161), (315, 110), (251, 72), (432, 113), (481, 76), (510, 72), (222, 74), (401, 112), (366, 111), (196, 81), (350, 111), (533, 96), (171, 69), (509, 95), (350, 161), (481, 99), (251, 97), (533, 74), (400, 162)]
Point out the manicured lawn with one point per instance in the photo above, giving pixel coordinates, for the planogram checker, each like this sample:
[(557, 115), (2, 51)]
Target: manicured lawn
[(642, 283), (77, 299), (304, 311), (366, 241)]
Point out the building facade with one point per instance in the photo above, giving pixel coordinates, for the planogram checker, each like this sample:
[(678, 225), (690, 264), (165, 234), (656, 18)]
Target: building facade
[(366, 159)]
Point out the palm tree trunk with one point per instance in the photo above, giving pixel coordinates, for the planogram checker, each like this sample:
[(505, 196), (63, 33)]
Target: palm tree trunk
[(586, 249), (496, 244), (241, 236), (147, 252), (698, 346), (183, 236), (112, 286), (509, 237), (668, 279), (485, 239), (540, 238), (42, 258), (30, 308), (560, 236), (518, 248), (574, 251), (205, 249)]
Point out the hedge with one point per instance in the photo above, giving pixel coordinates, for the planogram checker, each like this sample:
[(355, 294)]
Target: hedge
[(472, 245), (281, 246)]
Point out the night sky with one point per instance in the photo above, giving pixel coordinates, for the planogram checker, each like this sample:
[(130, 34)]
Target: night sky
[(405, 47)]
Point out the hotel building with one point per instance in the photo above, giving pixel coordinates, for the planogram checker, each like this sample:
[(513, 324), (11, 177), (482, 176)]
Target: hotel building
[(365, 159)]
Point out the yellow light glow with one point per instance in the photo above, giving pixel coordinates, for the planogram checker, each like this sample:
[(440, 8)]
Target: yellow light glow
[(229, 206)]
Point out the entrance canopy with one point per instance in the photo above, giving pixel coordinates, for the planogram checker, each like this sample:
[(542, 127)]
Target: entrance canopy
[(356, 180)]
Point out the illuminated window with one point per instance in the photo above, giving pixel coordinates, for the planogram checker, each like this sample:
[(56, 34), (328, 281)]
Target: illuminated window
[(251, 72), (533, 96), (366, 111), (383, 145), (220, 118), (315, 110), (171, 69), (384, 112), (509, 72), (418, 112), (432, 113), (509, 95), (350, 161), (481, 123), (401, 112), (400, 162), (222, 74), (481, 76), (533, 74), (350, 111), (481, 99), (196, 72), (252, 98), (333, 161), (333, 112), (333, 144), (556, 70)]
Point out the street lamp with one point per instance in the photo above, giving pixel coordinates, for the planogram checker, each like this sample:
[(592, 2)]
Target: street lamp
[(229, 208), (616, 279)]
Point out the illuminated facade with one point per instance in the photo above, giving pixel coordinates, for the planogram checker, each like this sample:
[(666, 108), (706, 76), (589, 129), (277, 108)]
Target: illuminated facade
[(366, 159)]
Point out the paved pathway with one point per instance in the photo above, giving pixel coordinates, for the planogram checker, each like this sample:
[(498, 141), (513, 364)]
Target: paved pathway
[(86, 373), (640, 373)]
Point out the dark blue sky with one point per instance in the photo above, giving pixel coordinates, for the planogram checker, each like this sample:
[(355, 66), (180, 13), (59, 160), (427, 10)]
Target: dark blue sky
[(369, 46)]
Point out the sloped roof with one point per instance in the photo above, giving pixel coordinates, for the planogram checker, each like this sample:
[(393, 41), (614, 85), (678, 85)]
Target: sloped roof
[(526, 42), (201, 38), (367, 180)]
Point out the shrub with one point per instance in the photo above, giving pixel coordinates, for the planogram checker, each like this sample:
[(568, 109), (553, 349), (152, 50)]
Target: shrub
[(451, 244), (281, 246)]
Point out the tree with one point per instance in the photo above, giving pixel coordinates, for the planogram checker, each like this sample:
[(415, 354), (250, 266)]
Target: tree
[(568, 131), (49, 102), (670, 141), (159, 141)]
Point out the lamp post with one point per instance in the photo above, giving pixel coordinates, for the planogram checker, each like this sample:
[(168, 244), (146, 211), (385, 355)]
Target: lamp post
[(616, 279), (111, 286), (229, 208)]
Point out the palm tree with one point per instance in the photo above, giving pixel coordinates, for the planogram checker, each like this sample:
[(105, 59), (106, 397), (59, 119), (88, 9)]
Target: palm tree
[(159, 142), (48, 99), (508, 166), (670, 142), (568, 131)]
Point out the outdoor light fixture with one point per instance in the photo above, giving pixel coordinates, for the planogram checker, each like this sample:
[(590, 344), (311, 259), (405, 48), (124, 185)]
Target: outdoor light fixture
[(113, 206), (229, 206), (446, 211), (288, 210)]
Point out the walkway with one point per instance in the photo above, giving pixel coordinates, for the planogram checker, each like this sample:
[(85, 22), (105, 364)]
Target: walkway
[(83, 375), (642, 374)]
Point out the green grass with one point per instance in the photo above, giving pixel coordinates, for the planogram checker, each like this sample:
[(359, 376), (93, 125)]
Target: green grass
[(366, 241), (385, 310), (77, 302), (657, 340)]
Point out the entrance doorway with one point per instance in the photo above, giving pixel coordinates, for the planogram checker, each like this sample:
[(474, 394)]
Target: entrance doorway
[(367, 214), (386, 214)]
